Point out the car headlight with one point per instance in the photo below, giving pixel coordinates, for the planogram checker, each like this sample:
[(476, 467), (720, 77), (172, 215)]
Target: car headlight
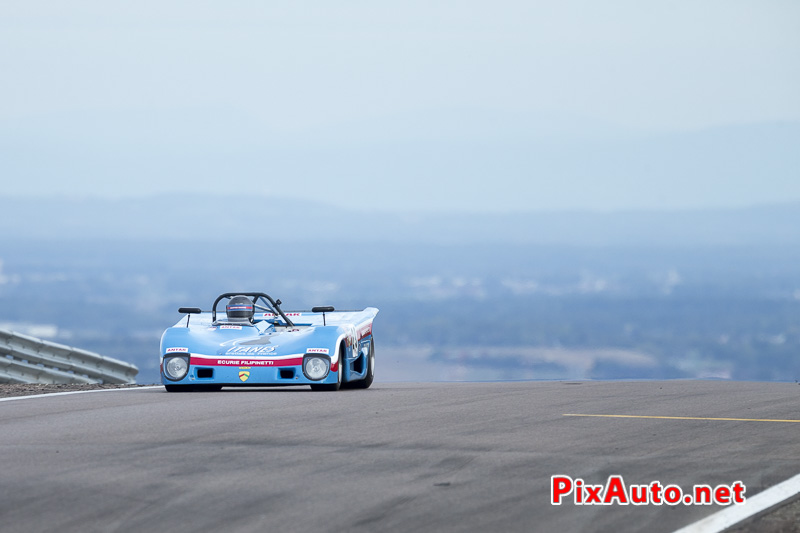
[(316, 367), (176, 368)]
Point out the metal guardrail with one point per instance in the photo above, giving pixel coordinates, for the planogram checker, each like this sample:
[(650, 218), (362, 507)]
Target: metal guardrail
[(25, 359)]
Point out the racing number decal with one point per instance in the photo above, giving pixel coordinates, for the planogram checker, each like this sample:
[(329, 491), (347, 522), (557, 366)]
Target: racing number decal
[(352, 340)]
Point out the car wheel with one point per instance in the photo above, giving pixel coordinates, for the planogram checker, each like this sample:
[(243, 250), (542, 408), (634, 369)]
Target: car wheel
[(331, 387), (178, 388), (208, 388), (367, 381)]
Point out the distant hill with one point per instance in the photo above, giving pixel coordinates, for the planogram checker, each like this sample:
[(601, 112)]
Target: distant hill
[(468, 161), (259, 219)]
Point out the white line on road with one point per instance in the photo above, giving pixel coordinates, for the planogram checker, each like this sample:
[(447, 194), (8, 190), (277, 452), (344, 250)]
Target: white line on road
[(730, 516), (30, 396)]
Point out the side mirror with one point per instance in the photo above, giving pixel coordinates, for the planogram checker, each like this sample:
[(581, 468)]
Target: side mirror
[(190, 310)]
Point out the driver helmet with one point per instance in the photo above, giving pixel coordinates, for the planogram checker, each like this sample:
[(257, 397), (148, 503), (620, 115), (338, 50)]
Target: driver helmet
[(239, 309)]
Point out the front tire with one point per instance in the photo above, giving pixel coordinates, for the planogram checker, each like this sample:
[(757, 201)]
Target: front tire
[(208, 388), (178, 388), (193, 388)]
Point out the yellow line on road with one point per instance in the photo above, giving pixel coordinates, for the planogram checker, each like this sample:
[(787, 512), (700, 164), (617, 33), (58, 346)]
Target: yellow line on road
[(691, 418)]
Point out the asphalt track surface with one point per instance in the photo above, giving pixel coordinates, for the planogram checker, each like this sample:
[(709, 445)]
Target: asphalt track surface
[(396, 457)]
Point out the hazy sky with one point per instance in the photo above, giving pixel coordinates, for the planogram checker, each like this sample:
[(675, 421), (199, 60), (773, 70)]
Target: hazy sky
[(465, 105)]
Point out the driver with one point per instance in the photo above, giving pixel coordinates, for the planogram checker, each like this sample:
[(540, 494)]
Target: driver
[(240, 310)]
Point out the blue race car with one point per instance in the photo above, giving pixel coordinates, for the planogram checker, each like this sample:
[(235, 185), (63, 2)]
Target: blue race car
[(256, 343)]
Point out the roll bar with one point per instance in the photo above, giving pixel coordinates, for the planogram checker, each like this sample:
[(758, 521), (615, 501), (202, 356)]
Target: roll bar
[(276, 305)]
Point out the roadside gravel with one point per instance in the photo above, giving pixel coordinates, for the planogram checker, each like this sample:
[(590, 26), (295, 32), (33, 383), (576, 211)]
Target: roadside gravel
[(26, 389)]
